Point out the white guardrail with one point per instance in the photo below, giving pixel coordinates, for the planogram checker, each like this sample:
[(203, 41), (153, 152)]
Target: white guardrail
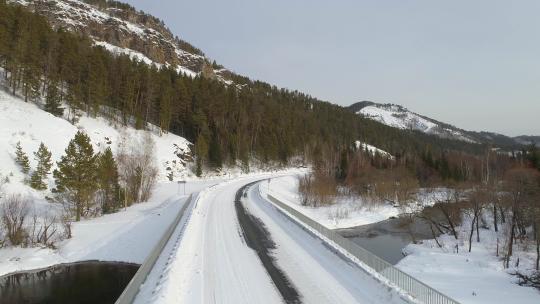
[(132, 289), (418, 290)]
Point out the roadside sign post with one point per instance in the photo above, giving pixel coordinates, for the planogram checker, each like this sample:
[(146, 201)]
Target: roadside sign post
[(179, 183)]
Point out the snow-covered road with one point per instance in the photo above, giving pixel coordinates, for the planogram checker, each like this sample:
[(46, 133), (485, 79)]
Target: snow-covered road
[(213, 264), (318, 273)]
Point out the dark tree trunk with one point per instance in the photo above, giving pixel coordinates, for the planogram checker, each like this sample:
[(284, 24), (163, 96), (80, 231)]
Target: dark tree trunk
[(450, 222), (537, 237), (472, 233), (495, 224), (510, 243), (434, 236), (477, 229)]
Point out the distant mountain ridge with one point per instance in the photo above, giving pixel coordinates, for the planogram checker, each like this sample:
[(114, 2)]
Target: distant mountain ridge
[(400, 117)]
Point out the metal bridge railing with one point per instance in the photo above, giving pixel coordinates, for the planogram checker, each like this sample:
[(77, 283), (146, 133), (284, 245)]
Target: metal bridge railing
[(415, 288), (132, 289)]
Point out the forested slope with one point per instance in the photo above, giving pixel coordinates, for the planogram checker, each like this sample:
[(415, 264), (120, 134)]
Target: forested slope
[(229, 124)]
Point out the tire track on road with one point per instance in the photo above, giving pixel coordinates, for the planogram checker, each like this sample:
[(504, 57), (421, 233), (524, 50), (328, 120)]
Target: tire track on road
[(258, 239)]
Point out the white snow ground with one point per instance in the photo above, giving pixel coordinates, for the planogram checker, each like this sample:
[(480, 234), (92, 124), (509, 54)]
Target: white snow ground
[(125, 236), (344, 214), (475, 277)]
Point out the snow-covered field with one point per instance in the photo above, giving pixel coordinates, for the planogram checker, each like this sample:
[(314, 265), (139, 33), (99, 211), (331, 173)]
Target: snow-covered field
[(475, 277), (125, 236), (343, 214)]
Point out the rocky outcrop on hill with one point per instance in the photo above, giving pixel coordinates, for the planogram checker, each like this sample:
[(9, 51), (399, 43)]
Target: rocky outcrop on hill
[(128, 31)]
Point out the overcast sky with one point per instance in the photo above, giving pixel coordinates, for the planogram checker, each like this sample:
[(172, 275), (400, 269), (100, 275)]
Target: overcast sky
[(475, 64)]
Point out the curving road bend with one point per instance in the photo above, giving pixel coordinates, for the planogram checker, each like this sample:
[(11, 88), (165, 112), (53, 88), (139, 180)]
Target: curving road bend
[(211, 262)]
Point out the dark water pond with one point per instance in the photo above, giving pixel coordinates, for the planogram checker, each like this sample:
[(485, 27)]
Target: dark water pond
[(88, 282), (387, 239), (389, 247)]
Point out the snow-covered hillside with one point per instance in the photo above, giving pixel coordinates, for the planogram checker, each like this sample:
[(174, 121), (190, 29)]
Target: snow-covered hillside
[(399, 117), (402, 118), (28, 124), (372, 149)]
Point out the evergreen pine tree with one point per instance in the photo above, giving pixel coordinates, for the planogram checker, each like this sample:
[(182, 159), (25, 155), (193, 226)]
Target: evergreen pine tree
[(43, 157), (22, 159), (214, 152), (76, 175), (108, 181), (30, 53), (244, 158), (533, 155), (165, 105), (53, 102), (202, 152), (96, 86), (343, 165)]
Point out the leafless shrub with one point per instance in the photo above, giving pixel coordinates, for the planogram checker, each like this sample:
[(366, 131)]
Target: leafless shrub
[(14, 211), (317, 189), (338, 214), (137, 167), (44, 229), (66, 214), (529, 279), (3, 180), (67, 222)]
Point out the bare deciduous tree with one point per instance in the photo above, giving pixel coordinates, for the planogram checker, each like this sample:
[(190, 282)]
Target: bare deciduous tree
[(521, 185), (14, 211), (477, 202), (44, 229), (137, 167)]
